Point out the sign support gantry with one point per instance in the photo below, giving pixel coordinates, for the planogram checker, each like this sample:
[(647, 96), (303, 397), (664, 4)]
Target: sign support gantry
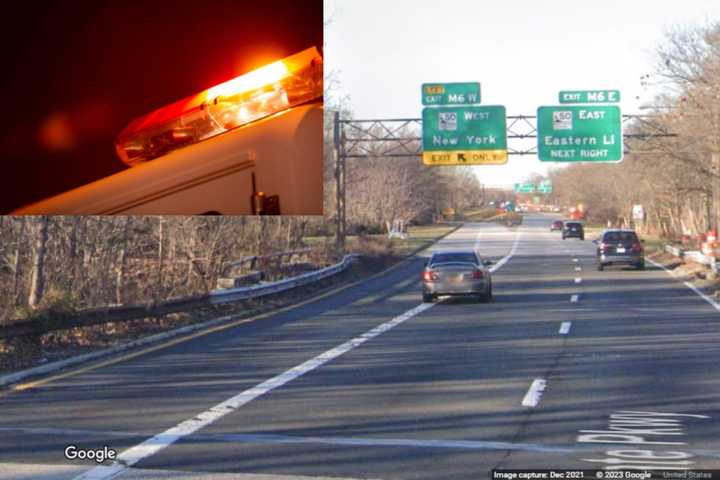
[(401, 137)]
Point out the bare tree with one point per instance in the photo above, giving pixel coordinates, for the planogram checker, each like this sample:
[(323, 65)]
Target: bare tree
[(37, 279)]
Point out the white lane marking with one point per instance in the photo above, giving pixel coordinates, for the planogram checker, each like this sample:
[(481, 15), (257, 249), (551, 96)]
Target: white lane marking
[(578, 280), (392, 442), (271, 438), (689, 285), (477, 240), (532, 397), (507, 257), (575, 260), (574, 298), (578, 269), (163, 440), (565, 328)]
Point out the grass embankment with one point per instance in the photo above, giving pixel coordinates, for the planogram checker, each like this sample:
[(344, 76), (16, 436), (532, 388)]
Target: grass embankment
[(480, 214), (418, 237), (492, 215)]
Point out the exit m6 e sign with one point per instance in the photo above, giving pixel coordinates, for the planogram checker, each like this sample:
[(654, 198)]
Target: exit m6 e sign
[(580, 133)]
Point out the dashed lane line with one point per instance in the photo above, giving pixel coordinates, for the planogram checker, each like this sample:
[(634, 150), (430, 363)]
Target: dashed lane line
[(534, 393), (565, 328)]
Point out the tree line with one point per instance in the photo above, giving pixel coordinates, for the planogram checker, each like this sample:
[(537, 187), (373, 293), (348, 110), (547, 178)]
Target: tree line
[(675, 178)]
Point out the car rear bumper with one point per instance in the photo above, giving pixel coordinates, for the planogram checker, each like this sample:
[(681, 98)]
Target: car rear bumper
[(621, 259), (450, 288)]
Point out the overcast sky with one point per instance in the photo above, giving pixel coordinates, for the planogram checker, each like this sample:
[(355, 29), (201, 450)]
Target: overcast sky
[(523, 53)]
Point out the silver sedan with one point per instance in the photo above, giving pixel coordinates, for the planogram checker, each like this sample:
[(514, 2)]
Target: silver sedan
[(457, 272)]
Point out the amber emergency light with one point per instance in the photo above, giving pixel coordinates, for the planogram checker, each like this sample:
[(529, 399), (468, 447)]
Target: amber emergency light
[(273, 88)]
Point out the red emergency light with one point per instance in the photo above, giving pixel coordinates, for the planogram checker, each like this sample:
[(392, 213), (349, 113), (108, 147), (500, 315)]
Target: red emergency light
[(270, 89)]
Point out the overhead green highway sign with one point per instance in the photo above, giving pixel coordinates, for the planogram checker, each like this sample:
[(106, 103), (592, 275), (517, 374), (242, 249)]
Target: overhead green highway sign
[(545, 187), (525, 188), (589, 96), (464, 135), (465, 93), (591, 133)]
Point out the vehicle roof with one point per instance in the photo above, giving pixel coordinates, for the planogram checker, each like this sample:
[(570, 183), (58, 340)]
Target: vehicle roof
[(469, 250), (618, 230)]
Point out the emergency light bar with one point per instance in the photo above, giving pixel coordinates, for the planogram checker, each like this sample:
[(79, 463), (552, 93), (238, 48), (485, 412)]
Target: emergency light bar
[(268, 90)]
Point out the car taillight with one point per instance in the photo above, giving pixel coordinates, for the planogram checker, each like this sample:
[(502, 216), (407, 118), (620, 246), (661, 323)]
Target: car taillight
[(429, 276), (270, 89), (637, 247), (603, 246), (478, 274)]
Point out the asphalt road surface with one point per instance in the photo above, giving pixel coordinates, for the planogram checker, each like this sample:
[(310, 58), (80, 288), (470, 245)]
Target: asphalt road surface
[(569, 368)]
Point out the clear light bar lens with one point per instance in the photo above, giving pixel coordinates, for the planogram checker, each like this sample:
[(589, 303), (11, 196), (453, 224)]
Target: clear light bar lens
[(270, 89)]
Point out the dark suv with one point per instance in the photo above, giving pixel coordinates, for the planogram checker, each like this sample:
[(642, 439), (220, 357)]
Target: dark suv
[(573, 229), (619, 247)]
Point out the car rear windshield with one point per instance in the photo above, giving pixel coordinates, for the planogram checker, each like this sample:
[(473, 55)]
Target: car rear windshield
[(454, 257), (620, 237), (573, 225)]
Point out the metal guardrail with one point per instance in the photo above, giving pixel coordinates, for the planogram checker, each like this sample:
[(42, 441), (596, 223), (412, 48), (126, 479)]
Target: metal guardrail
[(218, 297), (694, 256), (96, 316)]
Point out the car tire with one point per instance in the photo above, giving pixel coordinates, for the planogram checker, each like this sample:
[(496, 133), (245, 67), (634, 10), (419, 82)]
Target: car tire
[(490, 293), (600, 267), (641, 265), (582, 238), (563, 237), (428, 298)]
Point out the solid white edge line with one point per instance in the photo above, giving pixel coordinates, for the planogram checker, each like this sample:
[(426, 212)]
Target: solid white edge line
[(578, 269), (151, 446), (578, 280), (692, 287), (574, 298), (534, 393)]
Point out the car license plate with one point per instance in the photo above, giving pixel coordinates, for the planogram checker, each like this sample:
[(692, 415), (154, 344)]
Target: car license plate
[(620, 249)]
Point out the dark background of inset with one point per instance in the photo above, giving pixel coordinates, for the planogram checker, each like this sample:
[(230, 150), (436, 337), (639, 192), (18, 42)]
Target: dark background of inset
[(76, 73)]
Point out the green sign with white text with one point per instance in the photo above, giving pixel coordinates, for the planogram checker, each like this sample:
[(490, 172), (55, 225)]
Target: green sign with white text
[(545, 187), (467, 93), (524, 188), (464, 135), (589, 96), (590, 133)]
